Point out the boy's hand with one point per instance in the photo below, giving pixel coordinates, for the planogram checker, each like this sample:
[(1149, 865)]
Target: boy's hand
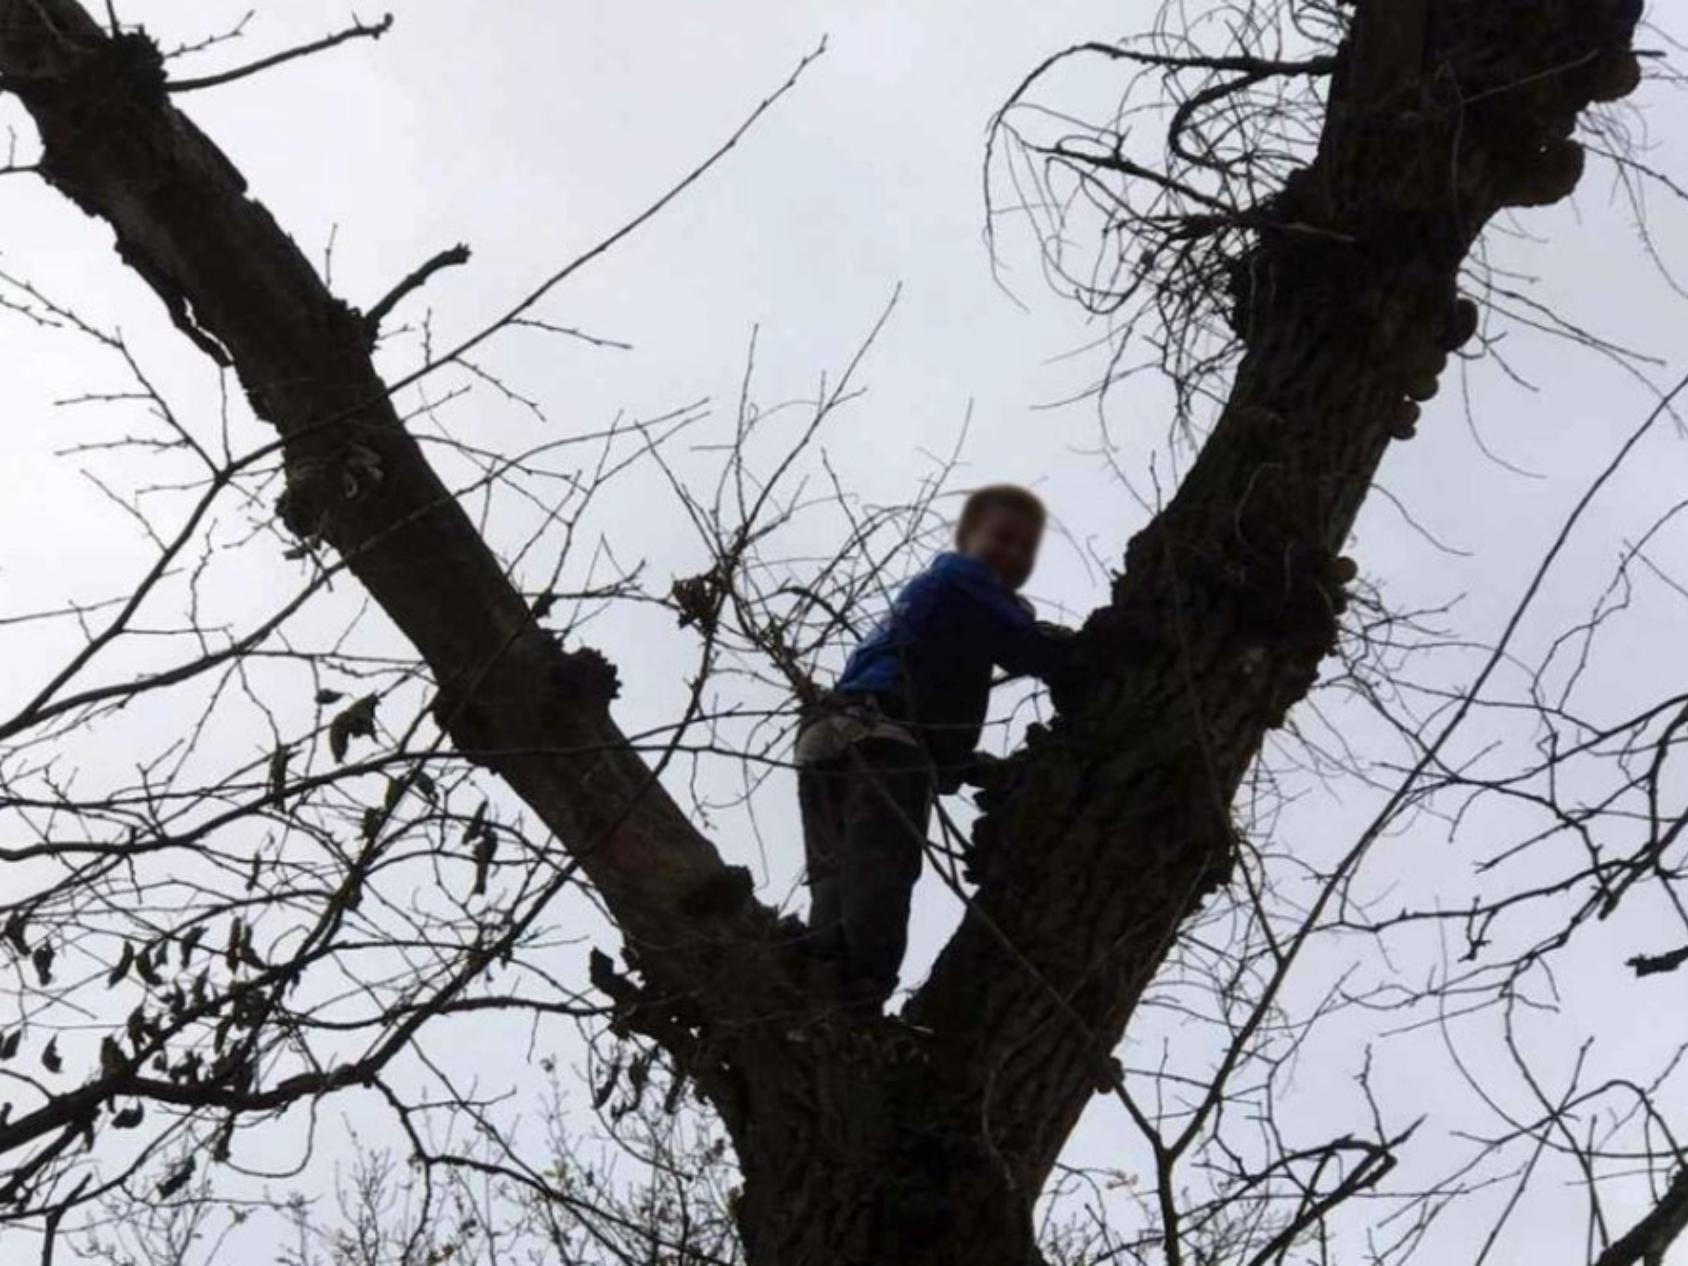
[(1066, 688), (983, 771)]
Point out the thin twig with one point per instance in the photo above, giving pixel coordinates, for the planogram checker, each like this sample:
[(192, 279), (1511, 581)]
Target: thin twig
[(545, 287), (360, 30)]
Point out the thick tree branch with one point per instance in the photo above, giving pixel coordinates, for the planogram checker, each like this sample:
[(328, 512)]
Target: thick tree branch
[(1440, 116), (509, 696), (1646, 1243)]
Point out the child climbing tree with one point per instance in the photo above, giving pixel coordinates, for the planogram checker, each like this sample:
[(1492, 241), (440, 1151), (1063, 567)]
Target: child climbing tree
[(1336, 281)]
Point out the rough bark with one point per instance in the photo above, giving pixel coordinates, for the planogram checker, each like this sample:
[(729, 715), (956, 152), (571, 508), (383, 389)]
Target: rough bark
[(1437, 121), (872, 1145)]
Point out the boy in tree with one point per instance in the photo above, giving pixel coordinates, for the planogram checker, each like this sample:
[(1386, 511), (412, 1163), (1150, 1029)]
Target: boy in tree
[(902, 726)]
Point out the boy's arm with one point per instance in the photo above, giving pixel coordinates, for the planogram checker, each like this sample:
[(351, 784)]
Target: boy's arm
[(1017, 642)]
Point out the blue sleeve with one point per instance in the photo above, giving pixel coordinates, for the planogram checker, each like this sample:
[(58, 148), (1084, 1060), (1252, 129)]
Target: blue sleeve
[(1006, 624), (877, 663)]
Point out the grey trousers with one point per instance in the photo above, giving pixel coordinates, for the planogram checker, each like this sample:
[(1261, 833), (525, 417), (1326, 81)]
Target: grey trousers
[(865, 813)]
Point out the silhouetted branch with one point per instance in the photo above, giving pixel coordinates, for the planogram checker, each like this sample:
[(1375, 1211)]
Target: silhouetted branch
[(449, 258), (359, 30), (1648, 1240), (1658, 964)]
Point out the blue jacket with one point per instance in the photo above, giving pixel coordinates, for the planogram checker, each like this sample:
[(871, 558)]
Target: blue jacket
[(929, 661)]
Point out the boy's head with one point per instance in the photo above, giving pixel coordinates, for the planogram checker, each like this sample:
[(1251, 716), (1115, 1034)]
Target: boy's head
[(1001, 526)]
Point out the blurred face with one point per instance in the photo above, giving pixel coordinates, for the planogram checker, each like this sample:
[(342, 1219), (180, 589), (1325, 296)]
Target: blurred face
[(1006, 541)]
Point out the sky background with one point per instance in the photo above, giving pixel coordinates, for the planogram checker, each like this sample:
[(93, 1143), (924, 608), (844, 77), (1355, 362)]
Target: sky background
[(530, 130)]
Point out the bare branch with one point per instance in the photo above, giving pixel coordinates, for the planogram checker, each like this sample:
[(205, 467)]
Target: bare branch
[(1647, 1242), (450, 258), (358, 30)]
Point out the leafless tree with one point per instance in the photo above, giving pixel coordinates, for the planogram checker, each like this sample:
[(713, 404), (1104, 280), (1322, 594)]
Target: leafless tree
[(207, 947)]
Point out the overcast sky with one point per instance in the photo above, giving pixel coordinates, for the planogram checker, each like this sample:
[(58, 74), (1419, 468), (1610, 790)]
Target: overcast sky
[(531, 128)]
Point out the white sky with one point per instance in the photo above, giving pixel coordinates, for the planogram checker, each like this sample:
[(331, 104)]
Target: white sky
[(529, 129)]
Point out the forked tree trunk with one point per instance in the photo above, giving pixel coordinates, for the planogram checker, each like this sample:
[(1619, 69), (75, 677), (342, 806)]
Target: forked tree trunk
[(875, 1145), (870, 1160)]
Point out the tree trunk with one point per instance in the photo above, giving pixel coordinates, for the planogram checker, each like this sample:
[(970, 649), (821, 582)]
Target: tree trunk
[(871, 1153)]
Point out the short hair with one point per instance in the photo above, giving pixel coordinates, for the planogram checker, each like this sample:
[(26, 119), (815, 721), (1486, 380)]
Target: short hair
[(999, 497)]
